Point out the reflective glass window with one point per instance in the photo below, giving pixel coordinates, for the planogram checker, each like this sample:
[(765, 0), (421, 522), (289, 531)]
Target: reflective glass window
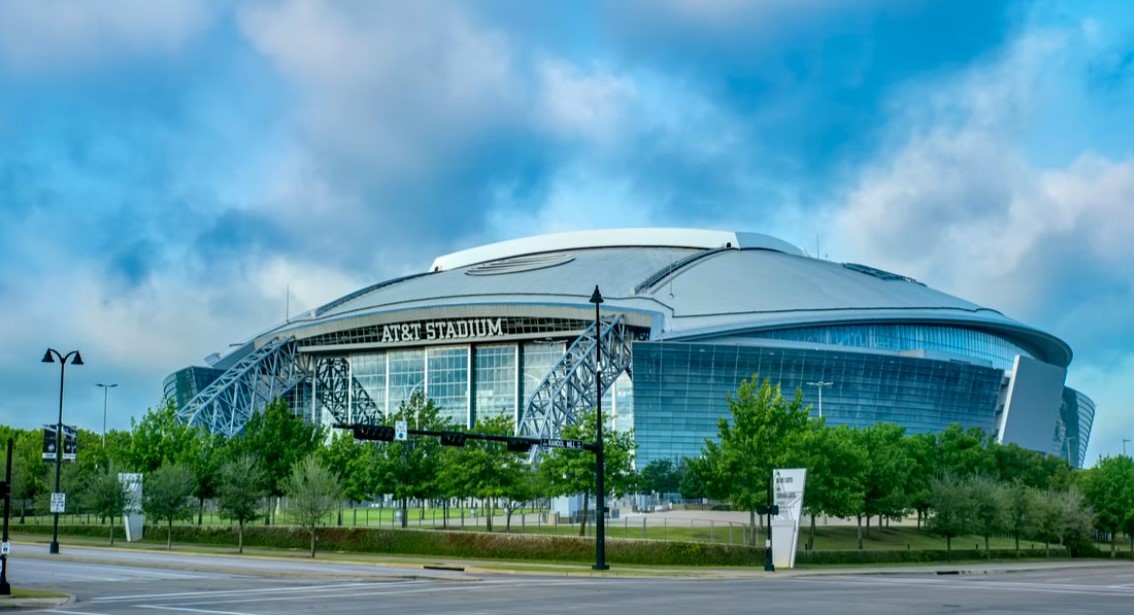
[(495, 381), (447, 382), (406, 376)]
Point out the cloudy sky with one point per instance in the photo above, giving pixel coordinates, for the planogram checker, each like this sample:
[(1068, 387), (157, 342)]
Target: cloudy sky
[(168, 170)]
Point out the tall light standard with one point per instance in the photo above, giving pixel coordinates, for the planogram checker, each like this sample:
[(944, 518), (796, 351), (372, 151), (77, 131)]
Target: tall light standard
[(49, 357), (600, 459), (1124, 441), (104, 388), (819, 384)]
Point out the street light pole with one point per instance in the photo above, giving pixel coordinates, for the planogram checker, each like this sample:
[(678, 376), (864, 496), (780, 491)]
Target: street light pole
[(1124, 441), (819, 384), (49, 357), (104, 388), (600, 459)]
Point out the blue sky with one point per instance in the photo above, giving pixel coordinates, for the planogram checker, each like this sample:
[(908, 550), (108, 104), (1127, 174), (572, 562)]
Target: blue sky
[(168, 170)]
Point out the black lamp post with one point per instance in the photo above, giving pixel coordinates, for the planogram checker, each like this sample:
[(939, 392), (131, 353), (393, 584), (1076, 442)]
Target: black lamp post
[(49, 357), (600, 460)]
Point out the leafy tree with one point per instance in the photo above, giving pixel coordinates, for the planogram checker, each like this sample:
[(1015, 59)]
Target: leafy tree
[(886, 472), (921, 450), (167, 496), (29, 472), (160, 438), (835, 466), (765, 432), (965, 452), (988, 507), (106, 496), (525, 487), (313, 492), (240, 492), (952, 508), (691, 481), (347, 458), (1020, 509), (410, 469), (1109, 488), (568, 471), (1015, 463), (661, 476), (486, 469), (204, 456), (279, 440)]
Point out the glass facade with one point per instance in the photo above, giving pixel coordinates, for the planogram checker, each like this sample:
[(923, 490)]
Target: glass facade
[(447, 381), (681, 390), (405, 376), (495, 382), (952, 340), (1076, 416)]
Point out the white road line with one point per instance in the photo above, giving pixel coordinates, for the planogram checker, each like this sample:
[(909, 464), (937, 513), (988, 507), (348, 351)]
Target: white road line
[(174, 608), (70, 612), (238, 592), (990, 585)]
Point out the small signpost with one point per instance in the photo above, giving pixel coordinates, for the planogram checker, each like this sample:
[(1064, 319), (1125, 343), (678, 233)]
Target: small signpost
[(58, 502), (401, 431)]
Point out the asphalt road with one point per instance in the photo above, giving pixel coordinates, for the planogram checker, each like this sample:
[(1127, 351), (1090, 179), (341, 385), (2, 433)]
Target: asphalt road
[(224, 588)]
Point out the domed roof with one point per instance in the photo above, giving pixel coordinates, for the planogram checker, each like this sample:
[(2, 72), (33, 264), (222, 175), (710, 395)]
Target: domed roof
[(684, 283)]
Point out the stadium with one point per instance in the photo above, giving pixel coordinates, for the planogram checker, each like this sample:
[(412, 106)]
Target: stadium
[(510, 328)]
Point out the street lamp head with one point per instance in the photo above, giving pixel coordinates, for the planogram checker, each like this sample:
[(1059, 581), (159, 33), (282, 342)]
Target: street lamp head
[(596, 297), (105, 386), (78, 360), (47, 358)]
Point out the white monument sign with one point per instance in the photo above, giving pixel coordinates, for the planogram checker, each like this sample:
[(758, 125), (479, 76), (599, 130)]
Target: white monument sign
[(788, 493)]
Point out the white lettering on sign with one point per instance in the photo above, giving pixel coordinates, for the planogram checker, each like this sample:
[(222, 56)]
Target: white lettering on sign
[(431, 330)]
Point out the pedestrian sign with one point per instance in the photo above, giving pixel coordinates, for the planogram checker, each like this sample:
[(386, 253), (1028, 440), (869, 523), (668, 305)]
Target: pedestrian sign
[(401, 431)]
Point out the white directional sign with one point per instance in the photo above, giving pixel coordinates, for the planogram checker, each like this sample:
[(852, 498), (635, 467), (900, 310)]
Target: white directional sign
[(58, 502), (401, 431), (5, 548)]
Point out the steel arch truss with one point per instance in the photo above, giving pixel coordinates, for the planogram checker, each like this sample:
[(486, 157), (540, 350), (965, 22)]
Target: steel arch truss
[(568, 390), (268, 372), (343, 396)]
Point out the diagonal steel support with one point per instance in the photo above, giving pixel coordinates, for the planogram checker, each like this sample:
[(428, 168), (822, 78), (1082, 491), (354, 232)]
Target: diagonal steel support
[(266, 373), (568, 390), (341, 394)]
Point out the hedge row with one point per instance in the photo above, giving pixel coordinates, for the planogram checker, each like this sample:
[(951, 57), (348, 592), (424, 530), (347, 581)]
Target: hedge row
[(482, 545), (896, 556)]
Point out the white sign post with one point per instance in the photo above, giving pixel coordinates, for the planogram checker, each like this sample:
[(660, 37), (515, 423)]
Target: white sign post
[(58, 502), (132, 520), (401, 431), (788, 494)]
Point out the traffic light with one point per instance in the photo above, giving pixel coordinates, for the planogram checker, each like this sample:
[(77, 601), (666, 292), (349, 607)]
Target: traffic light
[(520, 446), (385, 433), (453, 439)]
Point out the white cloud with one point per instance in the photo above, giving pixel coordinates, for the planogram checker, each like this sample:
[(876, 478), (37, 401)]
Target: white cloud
[(389, 86), (577, 105), (62, 34)]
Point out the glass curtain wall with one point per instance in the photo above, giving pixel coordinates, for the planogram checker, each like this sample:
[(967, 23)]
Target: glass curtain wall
[(447, 382), (494, 382)]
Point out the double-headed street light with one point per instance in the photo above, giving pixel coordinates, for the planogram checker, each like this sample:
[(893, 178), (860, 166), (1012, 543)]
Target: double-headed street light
[(104, 388), (600, 460), (819, 384), (76, 359)]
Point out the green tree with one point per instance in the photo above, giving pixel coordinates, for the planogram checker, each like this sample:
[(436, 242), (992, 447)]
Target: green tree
[(410, 469), (952, 508), (921, 450), (988, 501), (965, 452), (765, 431), (567, 471), (487, 470), (835, 466), (106, 496), (313, 492), (1109, 489), (661, 476), (240, 492), (1020, 509), (167, 496), (886, 472), (29, 472), (160, 438), (691, 481), (204, 456), (347, 458), (1062, 516), (279, 440)]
